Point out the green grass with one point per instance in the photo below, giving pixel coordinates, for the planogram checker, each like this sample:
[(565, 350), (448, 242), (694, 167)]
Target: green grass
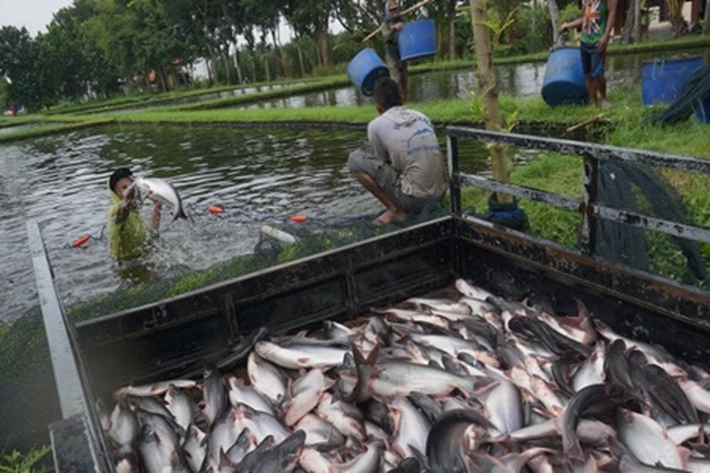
[(46, 128)]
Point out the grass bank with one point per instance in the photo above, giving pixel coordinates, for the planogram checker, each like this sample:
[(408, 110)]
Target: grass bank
[(47, 127)]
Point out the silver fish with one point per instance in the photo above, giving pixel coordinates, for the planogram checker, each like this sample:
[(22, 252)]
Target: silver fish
[(216, 395), (411, 428), (123, 429), (181, 406), (155, 389), (266, 378), (300, 356), (698, 397), (346, 418), (647, 440), (451, 436), (319, 432), (241, 393), (366, 462), (283, 457), (163, 191), (305, 393)]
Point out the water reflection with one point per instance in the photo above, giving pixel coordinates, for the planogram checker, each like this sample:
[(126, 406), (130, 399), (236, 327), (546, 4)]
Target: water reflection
[(520, 80)]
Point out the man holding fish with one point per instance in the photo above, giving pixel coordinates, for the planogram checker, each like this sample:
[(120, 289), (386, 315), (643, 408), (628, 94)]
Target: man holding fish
[(128, 233)]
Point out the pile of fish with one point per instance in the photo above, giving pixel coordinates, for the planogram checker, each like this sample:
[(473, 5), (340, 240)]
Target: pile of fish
[(466, 383)]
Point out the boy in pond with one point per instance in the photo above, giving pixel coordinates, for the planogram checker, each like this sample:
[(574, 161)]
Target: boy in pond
[(597, 22), (405, 168), (128, 233)]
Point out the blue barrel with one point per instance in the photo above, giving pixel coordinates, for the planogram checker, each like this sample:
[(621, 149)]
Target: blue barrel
[(564, 81), (417, 39), (702, 111), (364, 70), (661, 79)]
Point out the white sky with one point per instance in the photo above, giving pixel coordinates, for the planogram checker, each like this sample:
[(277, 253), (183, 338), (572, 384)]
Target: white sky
[(34, 15)]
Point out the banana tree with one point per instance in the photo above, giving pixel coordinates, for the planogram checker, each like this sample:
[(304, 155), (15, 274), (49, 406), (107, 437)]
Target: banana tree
[(488, 85)]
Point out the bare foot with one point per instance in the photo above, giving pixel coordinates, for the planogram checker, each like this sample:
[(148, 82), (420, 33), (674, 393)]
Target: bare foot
[(389, 217)]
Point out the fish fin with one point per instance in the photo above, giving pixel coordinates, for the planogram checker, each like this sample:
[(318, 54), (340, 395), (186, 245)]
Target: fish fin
[(360, 359)]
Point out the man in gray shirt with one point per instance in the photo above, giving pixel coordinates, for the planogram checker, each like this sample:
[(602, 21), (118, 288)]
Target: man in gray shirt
[(405, 170)]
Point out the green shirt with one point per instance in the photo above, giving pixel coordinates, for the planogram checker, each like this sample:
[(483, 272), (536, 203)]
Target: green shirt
[(128, 238), (594, 21)]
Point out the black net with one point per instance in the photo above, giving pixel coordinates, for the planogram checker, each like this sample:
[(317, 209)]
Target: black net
[(639, 188), (28, 399), (693, 92)]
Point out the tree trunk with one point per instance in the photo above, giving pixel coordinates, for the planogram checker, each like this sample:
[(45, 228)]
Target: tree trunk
[(554, 18), (628, 23), (225, 60), (240, 78), (706, 23), (534, 16), (675, 9), (488, 85), (267, 69), (637, 21), (301, 63), (452, 38), (211, 63), (322, 41)]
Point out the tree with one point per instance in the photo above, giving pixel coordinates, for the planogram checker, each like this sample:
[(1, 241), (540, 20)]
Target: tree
[(310, 18), (488, 85), (675, 10), (554, 18)]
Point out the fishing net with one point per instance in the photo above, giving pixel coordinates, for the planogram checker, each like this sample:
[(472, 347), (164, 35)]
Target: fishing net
[(639, 188), (28, 400), (694, 91)]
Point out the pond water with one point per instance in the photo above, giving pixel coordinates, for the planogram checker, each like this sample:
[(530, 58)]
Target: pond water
[(61, 182), (521, 80)]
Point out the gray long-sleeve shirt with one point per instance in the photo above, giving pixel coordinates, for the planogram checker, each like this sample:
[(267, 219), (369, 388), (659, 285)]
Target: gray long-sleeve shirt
[(406, 139)]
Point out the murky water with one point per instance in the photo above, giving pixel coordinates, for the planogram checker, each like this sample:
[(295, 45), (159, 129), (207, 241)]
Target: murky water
[(60, 181), (520, 80)]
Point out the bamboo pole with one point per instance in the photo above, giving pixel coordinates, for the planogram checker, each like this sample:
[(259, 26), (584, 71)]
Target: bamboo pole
[(408, 10), (582, 124)]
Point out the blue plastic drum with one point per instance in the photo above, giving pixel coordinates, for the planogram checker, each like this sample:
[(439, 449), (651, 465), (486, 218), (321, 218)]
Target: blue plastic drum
[(564, 81), (661, 79), (417, 39), (364, 70)]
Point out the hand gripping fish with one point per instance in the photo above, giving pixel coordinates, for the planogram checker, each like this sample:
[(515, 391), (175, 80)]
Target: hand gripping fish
[(163, 191)]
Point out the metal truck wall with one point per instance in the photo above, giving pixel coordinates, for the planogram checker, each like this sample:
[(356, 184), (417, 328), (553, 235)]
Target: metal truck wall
[(158, 341), (167, 339)]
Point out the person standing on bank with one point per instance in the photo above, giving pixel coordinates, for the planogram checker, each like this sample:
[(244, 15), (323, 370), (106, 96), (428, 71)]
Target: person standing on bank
[(390, 29), (597, 22), (405, 168)]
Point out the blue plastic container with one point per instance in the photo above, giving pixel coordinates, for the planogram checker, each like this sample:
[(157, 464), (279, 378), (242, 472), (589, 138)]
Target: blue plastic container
[(564, 81), (661, 79), (417, 39), (702, 111), (364, 70)]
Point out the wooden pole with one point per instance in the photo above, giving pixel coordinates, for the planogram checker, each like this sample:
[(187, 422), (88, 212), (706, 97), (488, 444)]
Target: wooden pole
[(408, 10), (582, 124)]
